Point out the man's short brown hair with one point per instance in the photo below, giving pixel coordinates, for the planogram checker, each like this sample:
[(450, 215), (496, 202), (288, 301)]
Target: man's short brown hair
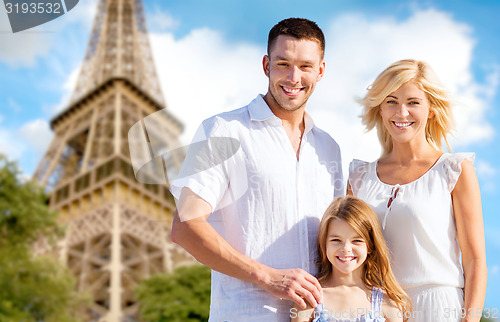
[(299, 28)]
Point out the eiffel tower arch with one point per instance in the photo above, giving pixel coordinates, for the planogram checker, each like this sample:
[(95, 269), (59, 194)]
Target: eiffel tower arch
[(118, 229)]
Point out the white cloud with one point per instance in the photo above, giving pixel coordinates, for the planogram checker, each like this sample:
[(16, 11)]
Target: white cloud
[(487, 176), (159, 20), (68, 87), (9, 145), (26, 144), (37, 135), (485, 169), (202, 74)]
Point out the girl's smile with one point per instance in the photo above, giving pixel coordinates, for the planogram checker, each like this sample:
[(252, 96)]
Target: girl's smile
[(345, 248)]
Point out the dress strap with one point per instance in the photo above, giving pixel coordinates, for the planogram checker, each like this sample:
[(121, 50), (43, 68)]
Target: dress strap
[(320, 314), (377, 298)]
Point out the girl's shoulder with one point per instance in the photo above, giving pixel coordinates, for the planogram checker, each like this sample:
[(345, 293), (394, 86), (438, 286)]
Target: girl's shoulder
[(341, 290), (331, 289), (331, 295)]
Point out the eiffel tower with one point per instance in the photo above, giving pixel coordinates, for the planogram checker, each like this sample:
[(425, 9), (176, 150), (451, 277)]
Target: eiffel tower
[(118, 229)]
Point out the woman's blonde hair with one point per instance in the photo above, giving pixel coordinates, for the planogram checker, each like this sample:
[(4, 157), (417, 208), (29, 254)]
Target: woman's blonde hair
[(376, 268), (422, 75)]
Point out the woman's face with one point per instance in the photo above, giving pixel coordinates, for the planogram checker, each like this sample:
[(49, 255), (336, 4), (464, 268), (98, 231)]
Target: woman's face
[(405, 113)]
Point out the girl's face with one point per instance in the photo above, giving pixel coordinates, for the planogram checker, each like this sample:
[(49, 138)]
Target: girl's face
[(405, 113), (345, 248)]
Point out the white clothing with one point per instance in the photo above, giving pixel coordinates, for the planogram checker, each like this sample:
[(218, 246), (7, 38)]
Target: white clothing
[(436, 303), (418, 225), (267, 205)]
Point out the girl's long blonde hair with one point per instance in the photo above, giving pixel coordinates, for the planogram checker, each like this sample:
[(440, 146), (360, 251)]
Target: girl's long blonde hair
[(376, 268), (422, 75)]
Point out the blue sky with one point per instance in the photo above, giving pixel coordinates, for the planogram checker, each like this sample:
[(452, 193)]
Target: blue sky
[(208, 56)]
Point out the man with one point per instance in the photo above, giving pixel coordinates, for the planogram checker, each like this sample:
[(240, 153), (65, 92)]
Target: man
[(265, 197)]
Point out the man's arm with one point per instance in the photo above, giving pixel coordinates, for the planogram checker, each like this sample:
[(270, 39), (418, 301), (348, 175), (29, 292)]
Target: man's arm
[(199, 238)]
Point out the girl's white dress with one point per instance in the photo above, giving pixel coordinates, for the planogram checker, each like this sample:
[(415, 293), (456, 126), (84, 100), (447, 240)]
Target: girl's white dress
[(419, 227)]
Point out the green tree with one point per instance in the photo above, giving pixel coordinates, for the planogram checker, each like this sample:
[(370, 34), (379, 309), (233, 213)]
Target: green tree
[(183, 295), (31, 288)]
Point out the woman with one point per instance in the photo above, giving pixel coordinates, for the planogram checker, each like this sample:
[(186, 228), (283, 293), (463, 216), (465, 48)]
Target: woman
[(427, 201)]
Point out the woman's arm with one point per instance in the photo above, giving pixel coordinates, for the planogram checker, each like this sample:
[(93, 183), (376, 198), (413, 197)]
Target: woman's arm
[(469, 219)]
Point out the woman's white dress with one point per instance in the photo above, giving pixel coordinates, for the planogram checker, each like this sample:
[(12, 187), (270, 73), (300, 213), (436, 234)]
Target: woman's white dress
[(419, 227)]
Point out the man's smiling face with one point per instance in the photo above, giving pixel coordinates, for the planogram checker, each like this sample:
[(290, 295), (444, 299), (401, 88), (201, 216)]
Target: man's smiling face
[(293, 68)]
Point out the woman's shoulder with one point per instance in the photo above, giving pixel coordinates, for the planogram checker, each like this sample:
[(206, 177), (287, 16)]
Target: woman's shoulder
[(458, 158), (358, 172), (357, 164), (452, 166)]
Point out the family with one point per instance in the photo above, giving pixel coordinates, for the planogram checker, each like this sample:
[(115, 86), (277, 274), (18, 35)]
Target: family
[(405, 243)]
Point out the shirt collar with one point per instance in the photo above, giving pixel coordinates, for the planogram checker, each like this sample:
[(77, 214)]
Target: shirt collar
[(308, 122), (260, 111)]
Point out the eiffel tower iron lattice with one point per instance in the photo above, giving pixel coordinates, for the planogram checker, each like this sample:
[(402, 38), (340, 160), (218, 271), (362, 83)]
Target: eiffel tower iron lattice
[(118, 229)]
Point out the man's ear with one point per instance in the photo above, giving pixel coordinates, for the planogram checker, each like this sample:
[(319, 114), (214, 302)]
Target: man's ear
[(321, 71), (265, 65)]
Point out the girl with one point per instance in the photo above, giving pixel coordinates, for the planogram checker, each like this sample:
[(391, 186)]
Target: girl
[(357, 281), (427, 201)]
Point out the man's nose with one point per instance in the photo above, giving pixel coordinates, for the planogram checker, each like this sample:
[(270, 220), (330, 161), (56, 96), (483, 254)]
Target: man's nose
[(294, 74)]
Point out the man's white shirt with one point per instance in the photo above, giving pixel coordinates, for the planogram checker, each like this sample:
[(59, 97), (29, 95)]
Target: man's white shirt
[(267, 204)]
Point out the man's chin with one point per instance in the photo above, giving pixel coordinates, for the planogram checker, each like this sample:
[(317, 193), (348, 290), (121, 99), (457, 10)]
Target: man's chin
[(292, 107)]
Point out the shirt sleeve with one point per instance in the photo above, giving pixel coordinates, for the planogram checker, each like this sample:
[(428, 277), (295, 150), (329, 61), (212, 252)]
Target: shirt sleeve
[(203, 170), (339, 184)]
